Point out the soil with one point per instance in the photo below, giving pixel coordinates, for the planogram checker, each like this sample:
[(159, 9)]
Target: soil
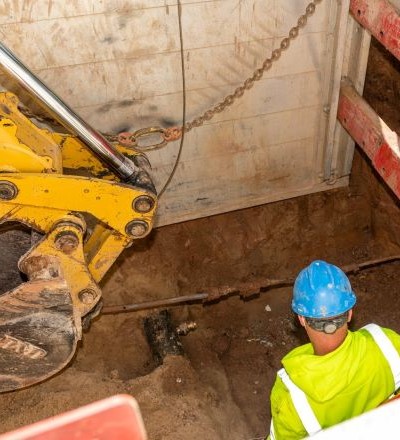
[(220, 388)]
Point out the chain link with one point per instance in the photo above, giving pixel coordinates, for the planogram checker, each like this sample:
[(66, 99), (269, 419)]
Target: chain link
[(249, 82), (174, 133)]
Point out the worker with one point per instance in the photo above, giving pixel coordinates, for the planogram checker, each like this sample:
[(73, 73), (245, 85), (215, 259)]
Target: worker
[(339, 374)]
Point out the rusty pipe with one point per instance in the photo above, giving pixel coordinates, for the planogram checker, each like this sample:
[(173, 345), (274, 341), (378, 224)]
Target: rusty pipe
[(122, 167), (216, 293), (110, 310)]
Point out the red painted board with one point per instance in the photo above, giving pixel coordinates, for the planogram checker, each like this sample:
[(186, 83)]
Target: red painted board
[(117, 417), (379, 142), (382, 19)]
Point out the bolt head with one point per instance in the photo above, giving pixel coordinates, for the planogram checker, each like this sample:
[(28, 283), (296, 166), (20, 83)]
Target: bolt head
[(87, 296), (143, 204), (66, 241), (8, 190), (327, 109), (137, 228)]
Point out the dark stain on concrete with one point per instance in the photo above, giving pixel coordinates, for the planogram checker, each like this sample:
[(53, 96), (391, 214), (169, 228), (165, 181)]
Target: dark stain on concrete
[(109, 39), (168, 122), (126, 103), (105, 108)]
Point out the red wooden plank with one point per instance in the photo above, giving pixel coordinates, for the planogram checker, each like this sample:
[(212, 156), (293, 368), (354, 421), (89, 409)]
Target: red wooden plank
[(382, 19), (379, 142), (114, 418)]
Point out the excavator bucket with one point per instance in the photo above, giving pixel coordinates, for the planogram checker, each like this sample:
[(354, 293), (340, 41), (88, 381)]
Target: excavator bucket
[(38, 326), (38, 333)]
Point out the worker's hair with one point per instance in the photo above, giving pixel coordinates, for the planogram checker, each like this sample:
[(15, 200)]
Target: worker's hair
[(328, 325)]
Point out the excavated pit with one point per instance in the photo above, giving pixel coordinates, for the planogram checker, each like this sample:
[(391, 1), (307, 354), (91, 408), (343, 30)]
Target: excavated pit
[(220, 388)]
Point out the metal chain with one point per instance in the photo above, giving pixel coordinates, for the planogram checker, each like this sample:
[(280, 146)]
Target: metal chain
[(170, 134), (174, 133)]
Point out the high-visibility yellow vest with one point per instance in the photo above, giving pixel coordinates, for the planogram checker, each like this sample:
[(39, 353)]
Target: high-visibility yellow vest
[(354, 378)]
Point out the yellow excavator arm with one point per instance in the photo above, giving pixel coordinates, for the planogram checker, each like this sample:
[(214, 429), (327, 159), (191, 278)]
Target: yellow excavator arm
[(85, 215)]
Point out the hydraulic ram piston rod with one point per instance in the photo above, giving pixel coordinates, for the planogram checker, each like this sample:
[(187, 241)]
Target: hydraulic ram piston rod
[(124, 168)]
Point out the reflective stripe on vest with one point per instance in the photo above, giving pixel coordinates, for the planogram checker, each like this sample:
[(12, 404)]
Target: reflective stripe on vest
[(299, 399), (301, 404), (388, 351), (272, 431)]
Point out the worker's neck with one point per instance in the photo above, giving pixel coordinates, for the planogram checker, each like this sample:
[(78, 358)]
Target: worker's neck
[(324, 343)]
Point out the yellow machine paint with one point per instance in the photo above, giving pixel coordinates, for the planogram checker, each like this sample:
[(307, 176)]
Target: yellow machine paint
[(53, 184), (19, 133)]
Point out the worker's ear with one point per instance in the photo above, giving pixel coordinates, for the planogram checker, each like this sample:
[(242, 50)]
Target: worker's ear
[(302, 320), (350, 315)]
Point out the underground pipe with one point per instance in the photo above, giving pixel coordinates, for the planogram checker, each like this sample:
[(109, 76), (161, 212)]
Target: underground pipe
[(243, 289)]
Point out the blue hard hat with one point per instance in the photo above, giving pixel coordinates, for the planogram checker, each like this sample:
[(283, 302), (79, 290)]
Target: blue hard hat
[(322, 290)]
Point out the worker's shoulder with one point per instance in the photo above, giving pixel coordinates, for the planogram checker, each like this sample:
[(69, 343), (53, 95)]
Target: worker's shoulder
[(392, 335), (388, 332)]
